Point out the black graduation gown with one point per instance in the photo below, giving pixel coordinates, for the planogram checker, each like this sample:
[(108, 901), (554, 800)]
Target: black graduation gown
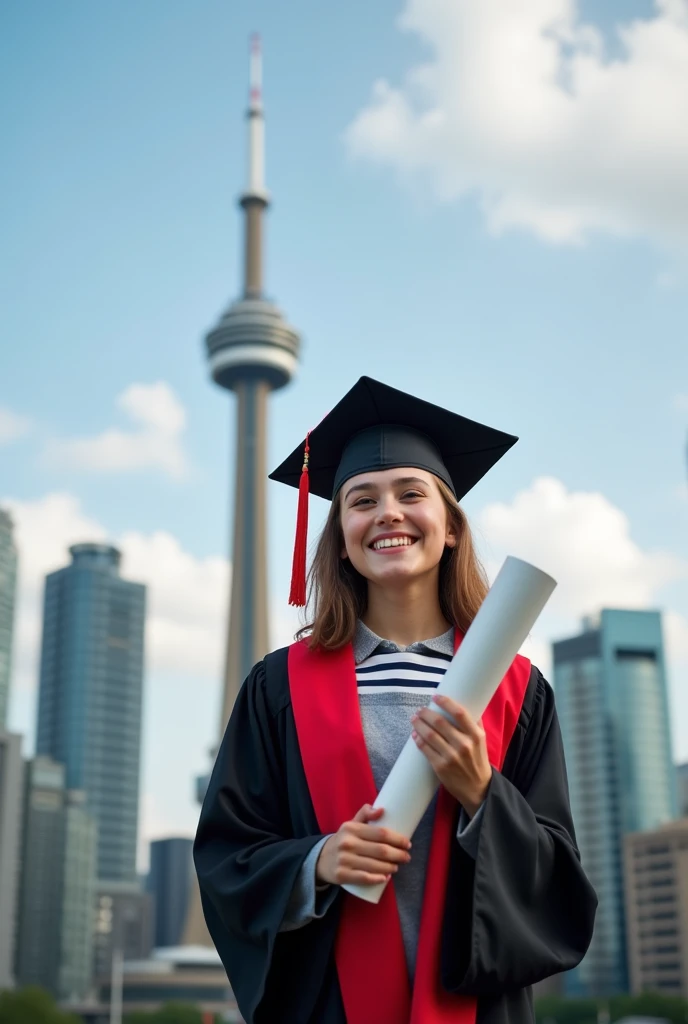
[(520, 912)]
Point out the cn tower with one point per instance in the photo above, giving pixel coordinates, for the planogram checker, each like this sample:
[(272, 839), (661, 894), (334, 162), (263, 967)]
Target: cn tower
[(252, 351)]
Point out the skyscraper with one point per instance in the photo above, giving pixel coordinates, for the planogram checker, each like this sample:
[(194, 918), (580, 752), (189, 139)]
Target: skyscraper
[(56, 894), (252, 351), (11, 792), (612, 700), (91, 681), (8, 582), (169, 882)]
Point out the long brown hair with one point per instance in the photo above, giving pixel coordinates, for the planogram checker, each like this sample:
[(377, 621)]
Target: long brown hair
[(338, 593)]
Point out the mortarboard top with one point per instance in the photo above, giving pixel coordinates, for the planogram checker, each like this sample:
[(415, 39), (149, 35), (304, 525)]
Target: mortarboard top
[(407, 432), (376, 427)]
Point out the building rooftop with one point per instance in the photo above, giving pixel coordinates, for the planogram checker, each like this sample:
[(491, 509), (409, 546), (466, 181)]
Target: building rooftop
[(96, 555), (169, 959)]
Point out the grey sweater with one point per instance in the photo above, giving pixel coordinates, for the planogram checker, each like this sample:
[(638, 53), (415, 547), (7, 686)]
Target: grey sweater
[(385, 717)]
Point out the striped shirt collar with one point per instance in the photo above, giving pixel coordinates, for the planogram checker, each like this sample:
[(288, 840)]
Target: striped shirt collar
[(365, 643)]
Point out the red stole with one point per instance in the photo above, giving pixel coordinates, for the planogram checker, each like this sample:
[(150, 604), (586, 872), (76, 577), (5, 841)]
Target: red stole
[(369, 950)]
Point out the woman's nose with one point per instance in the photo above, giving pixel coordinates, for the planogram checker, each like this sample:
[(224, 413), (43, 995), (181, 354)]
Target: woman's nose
[(388, 511)]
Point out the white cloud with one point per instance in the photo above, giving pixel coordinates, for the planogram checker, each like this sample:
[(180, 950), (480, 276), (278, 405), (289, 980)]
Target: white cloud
[(585, 542), (521, 105), (187, 602), (155, 442), (12, 426)]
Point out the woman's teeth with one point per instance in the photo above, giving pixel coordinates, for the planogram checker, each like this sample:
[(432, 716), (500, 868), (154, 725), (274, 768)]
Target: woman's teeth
[(393, 542)]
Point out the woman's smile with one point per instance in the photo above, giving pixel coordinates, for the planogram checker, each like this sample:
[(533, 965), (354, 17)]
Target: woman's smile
[(392, 543)]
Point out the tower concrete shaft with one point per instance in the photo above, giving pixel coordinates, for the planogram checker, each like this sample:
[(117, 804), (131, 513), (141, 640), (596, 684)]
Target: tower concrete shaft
[(252, 351), (247, 629), (253, 252)]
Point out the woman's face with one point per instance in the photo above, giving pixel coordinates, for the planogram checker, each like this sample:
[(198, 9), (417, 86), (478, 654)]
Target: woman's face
[(395, 524)]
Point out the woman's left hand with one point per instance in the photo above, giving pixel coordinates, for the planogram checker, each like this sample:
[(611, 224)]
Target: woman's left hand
[(457, 752)]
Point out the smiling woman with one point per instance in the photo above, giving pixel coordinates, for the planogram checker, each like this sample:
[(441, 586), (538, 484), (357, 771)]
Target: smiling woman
[(288, 817), (363, 548)]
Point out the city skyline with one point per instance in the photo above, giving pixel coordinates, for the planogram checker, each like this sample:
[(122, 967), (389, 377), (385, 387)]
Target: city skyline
[(121, 437)]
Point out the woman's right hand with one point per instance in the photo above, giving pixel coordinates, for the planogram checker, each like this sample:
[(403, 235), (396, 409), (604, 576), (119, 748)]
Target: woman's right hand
[(362, 853)]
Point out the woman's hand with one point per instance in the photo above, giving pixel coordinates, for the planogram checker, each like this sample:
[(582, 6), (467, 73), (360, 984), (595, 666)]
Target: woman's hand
[(362, 853), (457, 752)]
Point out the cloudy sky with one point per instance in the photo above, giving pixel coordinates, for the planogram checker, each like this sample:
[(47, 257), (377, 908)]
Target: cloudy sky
[(484, 203)]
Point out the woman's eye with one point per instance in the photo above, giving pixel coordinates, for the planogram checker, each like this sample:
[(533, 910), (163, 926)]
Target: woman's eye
[(412, 494), (362, 501)]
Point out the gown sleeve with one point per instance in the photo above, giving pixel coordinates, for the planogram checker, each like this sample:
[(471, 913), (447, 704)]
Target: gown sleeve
[(522, 908), (247, 859), (308, 900)]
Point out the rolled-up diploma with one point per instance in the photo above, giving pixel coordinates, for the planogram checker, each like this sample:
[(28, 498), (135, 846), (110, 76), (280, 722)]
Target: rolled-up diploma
[(506, 616)]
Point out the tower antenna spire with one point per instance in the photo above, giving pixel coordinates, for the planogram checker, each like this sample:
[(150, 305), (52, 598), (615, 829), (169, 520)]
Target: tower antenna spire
[(256, 124), (256, 71)]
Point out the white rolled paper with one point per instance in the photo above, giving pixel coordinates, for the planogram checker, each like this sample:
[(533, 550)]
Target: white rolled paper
[(506, 616)]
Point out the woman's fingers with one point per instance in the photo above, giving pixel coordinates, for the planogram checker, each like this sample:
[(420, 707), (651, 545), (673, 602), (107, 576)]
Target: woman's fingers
[(374, 833), (367, 844), (368, 813), (378, 851), (430, 721), (463, 719), (352, 867), (461, 736), (362, 852), (446, 744), (370, 864), (361, 878)]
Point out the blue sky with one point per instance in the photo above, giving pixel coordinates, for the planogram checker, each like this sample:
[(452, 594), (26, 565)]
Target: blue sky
[(401, 259)]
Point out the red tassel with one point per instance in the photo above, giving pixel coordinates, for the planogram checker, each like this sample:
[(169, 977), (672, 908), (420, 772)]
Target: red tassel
[(297, 593)]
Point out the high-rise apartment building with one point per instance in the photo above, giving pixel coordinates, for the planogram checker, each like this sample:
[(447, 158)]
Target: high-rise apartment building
[(169, 882), (656, 874), (91, 683), (8, 583), (11, 789), (57, 885), (611, 695)]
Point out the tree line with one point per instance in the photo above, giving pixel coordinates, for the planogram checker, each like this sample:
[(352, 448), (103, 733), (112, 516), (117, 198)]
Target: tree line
[(35, 1006), (558, 1010)]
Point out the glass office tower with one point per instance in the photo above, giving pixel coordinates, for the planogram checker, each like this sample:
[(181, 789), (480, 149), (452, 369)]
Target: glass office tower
[(91, 682), (57, 882), (611, 693), (169, 880)]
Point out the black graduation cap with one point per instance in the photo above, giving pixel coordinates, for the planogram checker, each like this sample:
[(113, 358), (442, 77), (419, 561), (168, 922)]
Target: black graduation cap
[(376, 427)]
